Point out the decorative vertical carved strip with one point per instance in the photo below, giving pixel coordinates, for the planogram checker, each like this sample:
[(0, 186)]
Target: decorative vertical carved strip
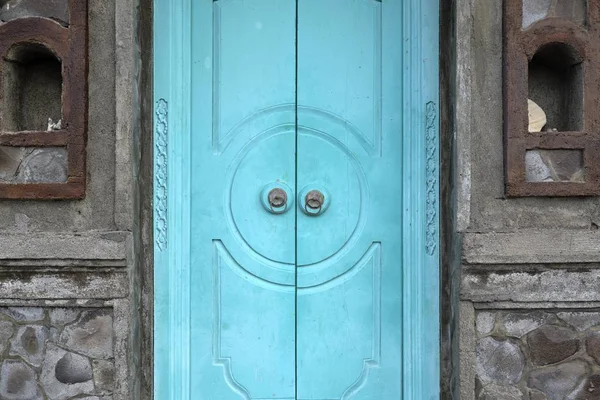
[(162, 137), (431, 174)]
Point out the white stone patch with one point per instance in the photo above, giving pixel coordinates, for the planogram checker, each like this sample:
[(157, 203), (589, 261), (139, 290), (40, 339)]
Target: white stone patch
[(485, 322), (518, 325), (499, 361)]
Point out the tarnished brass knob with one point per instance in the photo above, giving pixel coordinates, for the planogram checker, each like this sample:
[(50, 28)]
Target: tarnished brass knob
[(314, 200), (277, 198)]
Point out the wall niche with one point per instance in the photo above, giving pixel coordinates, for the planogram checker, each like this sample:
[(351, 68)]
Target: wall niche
[(43, 99), (32, 77), (552, 97), (555, 77)]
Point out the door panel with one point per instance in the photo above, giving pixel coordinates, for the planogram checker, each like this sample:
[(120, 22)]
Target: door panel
[(243, 253), (335, 294), (349, 147)]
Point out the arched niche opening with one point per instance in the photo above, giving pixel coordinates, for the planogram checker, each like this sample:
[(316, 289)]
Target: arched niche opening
[(32, 88), (556, 85)]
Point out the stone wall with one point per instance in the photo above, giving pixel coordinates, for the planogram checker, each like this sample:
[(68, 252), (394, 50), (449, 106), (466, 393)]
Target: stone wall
[(56, 353), (529, 272), (70, 303), (537, 355)]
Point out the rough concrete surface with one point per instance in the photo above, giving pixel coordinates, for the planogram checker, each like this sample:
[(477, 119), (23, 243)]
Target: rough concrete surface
[(530, 266), (68, 306), (549, 362), (480, 137), (44, 359), (96, 211)]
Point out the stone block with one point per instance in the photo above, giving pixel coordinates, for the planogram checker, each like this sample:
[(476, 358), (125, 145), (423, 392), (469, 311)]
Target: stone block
[(60, 377), (72, 369), (561, 382), (535, 355), (91, 335), (485, 322), (18, 382), (30, 344), (56, 353), (581, 321), (33, 165), (499, 361), (550, 344), (520, 324)]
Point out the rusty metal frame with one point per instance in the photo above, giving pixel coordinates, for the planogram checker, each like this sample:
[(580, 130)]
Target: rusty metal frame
[(70, 45), (519, 48)]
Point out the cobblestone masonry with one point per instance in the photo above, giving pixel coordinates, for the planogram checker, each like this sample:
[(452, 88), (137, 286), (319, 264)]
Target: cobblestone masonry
[(56, 354), (538, 355)]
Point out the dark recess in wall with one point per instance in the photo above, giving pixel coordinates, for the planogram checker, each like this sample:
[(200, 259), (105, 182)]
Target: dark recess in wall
[(32, 88), (556, 84), (449, 241)]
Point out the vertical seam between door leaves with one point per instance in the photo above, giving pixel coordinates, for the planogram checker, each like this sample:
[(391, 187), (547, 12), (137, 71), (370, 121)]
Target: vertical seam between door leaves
[(296, 209)]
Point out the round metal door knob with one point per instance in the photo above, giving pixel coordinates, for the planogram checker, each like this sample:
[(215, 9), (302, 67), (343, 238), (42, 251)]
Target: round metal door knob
[(314, 200), (277, 197)]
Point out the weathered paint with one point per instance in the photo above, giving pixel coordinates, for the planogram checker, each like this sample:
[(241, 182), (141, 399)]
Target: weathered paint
[(254, 304)]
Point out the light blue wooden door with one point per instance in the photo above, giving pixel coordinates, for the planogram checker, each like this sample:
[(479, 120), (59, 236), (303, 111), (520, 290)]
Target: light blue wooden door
[(243, 242), (296, 200), (349, 305)]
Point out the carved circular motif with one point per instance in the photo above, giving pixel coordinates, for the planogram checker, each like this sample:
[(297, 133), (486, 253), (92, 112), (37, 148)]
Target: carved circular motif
[(270, 239)]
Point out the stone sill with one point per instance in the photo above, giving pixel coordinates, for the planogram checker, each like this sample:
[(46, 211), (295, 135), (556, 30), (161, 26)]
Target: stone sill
[(532, 247), (556, 285), (97, 249)]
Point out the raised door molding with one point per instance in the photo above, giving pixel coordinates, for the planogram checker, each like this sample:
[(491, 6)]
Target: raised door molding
[(420, 202)]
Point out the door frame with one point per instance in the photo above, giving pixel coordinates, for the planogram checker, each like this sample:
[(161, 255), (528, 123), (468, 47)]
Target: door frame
[(173, 21)]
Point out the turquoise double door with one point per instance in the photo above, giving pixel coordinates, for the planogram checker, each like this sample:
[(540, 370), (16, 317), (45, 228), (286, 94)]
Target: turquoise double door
[(296, 200)]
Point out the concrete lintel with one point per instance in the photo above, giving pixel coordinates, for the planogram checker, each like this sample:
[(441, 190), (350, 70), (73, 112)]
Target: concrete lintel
[(532, 247), (557, 285), (91, 249), (91, 285)]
